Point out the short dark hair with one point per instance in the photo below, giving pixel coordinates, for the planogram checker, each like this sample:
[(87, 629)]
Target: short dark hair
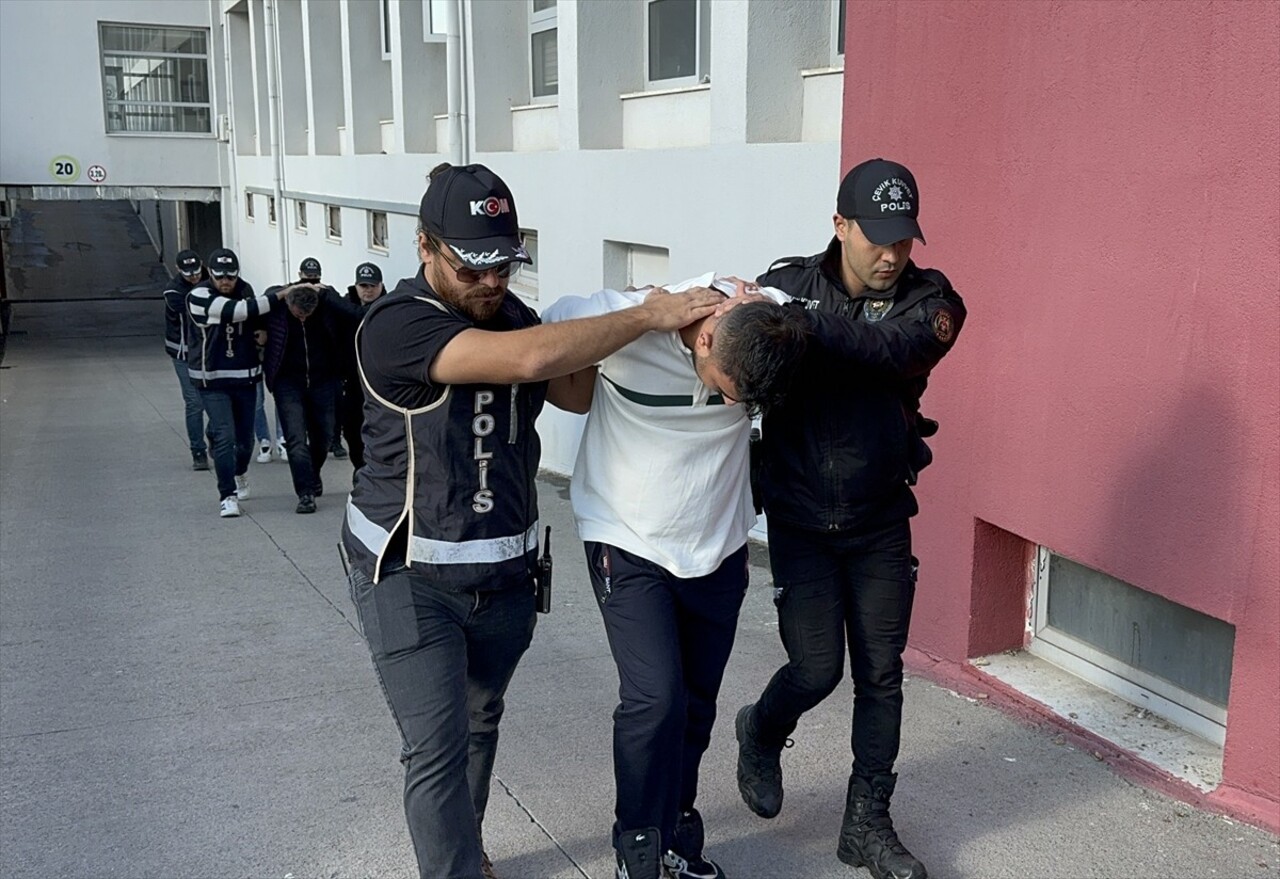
[(759, 346), (304, 299)]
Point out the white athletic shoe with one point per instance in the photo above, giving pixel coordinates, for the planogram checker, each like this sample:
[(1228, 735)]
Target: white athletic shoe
[(281, 452), (242, 486), (264, 452), (230, 507)]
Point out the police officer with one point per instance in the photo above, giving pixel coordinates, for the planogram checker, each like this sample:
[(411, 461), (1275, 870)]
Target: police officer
[(837, 461), (441, 526), (367, 289), (223, 362), (177, 332)]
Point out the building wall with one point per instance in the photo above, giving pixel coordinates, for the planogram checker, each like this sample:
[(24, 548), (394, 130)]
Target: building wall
[(53, 103), (727, 203), (1101, 184)]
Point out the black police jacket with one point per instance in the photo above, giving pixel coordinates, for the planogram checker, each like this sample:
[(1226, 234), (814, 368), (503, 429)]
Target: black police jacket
[(843, 449)]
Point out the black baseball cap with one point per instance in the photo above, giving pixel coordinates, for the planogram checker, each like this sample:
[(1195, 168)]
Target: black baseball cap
[(188, 262), (882, 198), (223, 262), (310, 268), (469, 208), (368, 273)]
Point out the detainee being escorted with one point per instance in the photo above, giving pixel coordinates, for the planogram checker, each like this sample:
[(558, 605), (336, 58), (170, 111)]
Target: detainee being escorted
[(441, 530), (177, 338), (838, 458), (662, 500), (223, 363)]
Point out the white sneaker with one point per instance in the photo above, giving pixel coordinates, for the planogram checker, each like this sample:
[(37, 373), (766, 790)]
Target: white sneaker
[(264, 452), (242, 487), (281, 452), (230, 507)]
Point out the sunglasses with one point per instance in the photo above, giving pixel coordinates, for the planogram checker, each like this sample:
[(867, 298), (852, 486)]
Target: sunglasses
[(470, 276), (224, 274)]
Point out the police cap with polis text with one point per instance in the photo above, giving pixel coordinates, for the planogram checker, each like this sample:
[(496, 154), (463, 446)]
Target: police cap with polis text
[(882, 198), (471, 209), (309, 268), (188, 262), (368, 273), (223, 262)]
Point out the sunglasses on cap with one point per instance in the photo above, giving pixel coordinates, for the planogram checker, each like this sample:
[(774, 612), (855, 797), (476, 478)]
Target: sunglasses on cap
[(217, 274), (468, 275)]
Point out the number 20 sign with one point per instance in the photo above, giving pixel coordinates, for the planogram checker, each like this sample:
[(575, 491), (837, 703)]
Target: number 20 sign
[(64, 169)]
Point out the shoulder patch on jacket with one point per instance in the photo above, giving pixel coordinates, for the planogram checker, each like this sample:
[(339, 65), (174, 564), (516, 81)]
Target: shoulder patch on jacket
[(944, 325)]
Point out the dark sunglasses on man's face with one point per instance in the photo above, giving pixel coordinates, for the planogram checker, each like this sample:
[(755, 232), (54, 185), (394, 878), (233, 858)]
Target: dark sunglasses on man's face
[(225, 274), (471, 276)]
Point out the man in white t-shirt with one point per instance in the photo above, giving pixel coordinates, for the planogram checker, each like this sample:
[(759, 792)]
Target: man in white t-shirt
[(663, 504)]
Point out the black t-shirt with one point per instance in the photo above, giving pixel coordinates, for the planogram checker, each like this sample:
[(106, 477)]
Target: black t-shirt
[(398, 344)]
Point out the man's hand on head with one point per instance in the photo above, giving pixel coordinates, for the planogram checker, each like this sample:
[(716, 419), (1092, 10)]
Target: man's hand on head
[(743, 291), (671, 311)]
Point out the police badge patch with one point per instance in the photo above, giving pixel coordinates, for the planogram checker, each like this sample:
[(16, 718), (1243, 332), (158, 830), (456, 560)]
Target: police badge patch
[(876, 309), (944, 325)]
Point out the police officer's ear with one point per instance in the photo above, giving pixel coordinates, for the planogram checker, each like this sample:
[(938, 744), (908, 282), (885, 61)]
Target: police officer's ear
[(841, 225)]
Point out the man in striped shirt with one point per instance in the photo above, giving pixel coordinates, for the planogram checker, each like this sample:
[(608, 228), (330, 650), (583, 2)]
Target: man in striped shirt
[(222, 360)]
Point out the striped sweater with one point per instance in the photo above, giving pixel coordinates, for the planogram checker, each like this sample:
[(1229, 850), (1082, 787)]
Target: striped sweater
[(222, 352)]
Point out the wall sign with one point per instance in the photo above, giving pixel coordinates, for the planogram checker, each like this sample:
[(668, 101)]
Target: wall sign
[(64, 169), (96, 173)]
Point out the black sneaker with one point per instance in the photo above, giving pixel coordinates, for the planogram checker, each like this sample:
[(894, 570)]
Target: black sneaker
[(318, 489), (306, 504), (338, 452), (199, 461), (638, 857), (759, 767), (684, 859)]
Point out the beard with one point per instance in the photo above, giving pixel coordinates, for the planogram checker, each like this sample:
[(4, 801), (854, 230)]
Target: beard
[(480, 303)]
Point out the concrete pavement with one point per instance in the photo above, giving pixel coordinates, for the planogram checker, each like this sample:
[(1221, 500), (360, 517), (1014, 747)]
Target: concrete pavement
[(185, 696)]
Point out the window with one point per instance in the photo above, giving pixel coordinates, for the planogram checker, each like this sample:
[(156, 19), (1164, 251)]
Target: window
[(524, 282), (384, 14), (635, 265), (155, 79), (333, 222), (378, 231), (1169, 659), (300, 215), (837, 23), (271, 209), (434, 18), (248, 205), (543, 63), (678, 35)]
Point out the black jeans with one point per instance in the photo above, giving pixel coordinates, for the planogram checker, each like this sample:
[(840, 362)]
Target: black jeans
[(671, 640), (306, 414), (830, 587), (230, 412), (444, 660)]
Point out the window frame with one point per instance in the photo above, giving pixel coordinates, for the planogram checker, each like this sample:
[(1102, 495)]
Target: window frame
[(248, 205), (271, 210), (384, 28), (838, 12), (332, 231), (539, 23), (384, 247), (1136, 686), (107, 103), (702, 51), (300, 216), (429, 32)]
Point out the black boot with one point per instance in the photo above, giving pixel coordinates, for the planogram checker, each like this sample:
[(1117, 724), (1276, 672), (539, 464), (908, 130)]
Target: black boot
[(867, 838), (759, 767), (640, 854), (684, 859)]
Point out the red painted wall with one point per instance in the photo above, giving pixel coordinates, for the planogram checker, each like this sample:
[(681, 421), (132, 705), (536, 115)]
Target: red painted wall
[(1101, 182)]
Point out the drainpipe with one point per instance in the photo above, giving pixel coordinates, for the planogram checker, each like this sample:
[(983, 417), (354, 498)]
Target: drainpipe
[(277, 154), (454, 69), (229, 215)]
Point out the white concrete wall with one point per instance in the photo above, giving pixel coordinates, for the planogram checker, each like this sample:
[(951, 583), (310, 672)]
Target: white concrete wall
[(725, 204), (52, 102)]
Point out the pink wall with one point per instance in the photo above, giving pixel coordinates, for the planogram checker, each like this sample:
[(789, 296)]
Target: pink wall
[(1101, 181)]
